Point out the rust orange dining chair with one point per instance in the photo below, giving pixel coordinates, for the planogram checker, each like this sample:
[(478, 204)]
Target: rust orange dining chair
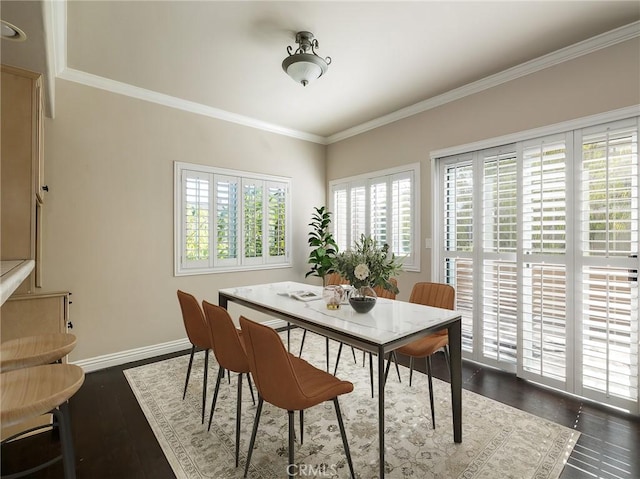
[(438, 295), (229, 350), (198, 333), (290, 383)]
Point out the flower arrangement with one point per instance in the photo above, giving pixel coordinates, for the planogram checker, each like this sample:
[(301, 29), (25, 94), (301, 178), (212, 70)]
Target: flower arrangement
[(368, 264)]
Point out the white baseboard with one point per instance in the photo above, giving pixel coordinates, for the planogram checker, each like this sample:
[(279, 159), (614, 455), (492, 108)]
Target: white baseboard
[(146, 352)]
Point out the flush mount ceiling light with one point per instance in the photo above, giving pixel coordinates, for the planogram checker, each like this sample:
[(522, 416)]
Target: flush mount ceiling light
[(11, 32), (304, 65)]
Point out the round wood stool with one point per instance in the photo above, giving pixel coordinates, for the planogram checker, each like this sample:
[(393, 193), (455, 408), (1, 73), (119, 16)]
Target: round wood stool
[(31, 392), (35, 350)]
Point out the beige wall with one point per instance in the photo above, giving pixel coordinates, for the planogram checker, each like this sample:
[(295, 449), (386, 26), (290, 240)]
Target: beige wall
[(108, 226), (602, 81)]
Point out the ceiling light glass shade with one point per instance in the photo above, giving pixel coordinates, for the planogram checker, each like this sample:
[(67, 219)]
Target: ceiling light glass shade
[(11, 32), (304, 65)]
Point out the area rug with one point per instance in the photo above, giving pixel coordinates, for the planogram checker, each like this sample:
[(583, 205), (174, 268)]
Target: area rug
[(499, 442)]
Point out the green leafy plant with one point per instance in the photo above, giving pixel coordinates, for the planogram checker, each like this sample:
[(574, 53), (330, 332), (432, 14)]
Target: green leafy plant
[(368, 264), (322, 257)]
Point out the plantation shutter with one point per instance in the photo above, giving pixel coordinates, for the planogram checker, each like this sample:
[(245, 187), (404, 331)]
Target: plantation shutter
[(227, 220), (378, 206), (553, 250), (340, 217), (358, 210), (277, 215), (402, 195), (253, 224), (544, 269), (499, 242), (608, 226), (457, 238), (196, 214)]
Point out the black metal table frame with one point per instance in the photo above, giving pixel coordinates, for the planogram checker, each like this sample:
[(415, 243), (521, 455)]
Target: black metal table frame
[(455, 350)]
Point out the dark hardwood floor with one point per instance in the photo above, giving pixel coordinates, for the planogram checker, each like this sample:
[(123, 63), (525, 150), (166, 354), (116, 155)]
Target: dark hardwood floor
[(113, 439)]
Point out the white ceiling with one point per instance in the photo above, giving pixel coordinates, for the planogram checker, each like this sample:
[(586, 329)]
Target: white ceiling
[(227, 55)]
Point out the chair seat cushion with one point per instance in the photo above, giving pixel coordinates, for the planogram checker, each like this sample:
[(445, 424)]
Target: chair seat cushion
[(316, 385), (423, 347)]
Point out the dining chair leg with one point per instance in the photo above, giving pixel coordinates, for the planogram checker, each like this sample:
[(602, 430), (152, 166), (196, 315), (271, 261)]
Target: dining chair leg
[(353, 351), (290, 471), (301, 426), (204, 382), (253, 435), (304, 335), (253, 398), (344, 437), (66, 440), (433, 411), (238, 417), (395, 360), (289, 337), (186, 382), (410, 370), (215, 396)]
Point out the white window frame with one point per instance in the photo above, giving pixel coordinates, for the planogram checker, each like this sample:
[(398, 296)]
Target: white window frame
[(412, 171), (214, 264)]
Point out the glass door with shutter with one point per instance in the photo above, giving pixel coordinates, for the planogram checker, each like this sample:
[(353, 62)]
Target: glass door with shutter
[(607, 263), (540, 240)]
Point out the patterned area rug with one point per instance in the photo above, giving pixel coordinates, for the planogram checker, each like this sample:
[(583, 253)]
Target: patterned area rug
[(499, 442)]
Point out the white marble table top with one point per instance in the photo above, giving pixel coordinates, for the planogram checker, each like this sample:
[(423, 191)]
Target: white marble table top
[(390, 321)]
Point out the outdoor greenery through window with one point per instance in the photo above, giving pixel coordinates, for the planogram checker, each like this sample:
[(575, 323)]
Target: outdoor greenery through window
[(540, 239), (229, 220), (383, 205)]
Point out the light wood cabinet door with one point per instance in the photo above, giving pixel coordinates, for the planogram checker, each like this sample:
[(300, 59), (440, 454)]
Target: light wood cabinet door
[(22, 168)]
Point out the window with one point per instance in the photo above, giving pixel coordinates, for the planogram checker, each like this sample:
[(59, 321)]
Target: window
[(229, 220), (383, 205), (540, 239)]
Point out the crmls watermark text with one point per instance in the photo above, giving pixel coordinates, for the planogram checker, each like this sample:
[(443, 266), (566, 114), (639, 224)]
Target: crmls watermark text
[(310, 470)]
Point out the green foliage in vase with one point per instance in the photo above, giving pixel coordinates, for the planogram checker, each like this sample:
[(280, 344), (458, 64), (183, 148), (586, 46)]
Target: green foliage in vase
[(322, 257), (368, 264)]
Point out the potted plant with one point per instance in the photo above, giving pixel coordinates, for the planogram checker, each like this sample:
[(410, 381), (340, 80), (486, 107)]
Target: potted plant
[(367, 266), (325, 249)]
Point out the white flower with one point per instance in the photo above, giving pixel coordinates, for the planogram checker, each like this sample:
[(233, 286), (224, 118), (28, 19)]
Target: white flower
[(361, 271)]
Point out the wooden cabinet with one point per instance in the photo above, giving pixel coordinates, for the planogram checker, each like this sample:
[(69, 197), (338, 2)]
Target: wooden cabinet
[(22, 170), (29, 314)]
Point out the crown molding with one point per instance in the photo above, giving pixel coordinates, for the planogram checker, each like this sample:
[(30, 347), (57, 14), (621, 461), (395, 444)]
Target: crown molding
[(132, 91), (571, 52)]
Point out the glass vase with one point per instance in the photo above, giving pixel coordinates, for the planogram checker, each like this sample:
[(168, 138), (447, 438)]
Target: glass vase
[(363, 299), (332, 296)]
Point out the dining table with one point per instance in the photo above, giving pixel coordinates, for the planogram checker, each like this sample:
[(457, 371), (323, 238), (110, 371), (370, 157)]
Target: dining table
[(389, 325)]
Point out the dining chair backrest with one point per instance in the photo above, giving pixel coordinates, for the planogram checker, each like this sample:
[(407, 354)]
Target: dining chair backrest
[(271, 367), (385, 293), (334, 278), (438, 295), (195, 323), (228, 348), (269, 364)]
